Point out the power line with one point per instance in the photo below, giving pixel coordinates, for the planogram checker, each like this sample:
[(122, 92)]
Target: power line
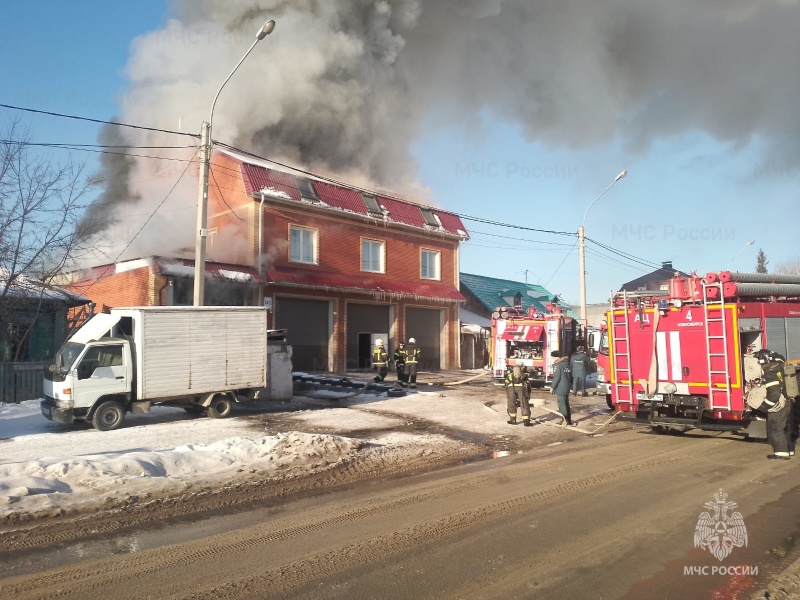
[(629, 257), (66, 144), (118, 124), (509, 237)]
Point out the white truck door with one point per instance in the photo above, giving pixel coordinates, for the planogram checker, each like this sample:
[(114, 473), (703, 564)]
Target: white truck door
[(100, 372)]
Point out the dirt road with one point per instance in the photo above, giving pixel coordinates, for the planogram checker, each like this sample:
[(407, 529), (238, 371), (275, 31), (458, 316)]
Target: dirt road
[(607, 517)]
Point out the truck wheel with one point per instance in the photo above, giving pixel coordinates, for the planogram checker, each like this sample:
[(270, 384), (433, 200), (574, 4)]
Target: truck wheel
[(109, 415), (609, 402), (220, 407)]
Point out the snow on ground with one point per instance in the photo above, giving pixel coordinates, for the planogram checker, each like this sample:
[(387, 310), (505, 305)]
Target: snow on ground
[(46, 466)]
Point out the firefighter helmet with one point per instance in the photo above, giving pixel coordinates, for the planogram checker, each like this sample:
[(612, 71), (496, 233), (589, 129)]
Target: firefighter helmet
[(768, 356), (412, 341), (379, 342)]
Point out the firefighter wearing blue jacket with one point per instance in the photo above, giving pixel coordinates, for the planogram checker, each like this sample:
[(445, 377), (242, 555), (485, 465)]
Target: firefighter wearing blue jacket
[(562, 385)]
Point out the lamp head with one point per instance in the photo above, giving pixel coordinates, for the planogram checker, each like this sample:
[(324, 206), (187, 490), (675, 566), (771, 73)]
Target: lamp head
[(620, 176), (266, 29)]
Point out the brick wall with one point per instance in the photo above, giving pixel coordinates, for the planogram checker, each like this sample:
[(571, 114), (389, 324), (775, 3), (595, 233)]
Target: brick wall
[(340, 244), (108, 289)]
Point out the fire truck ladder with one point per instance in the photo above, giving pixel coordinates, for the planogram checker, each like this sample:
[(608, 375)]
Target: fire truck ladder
[(716, 307), (622, 373)]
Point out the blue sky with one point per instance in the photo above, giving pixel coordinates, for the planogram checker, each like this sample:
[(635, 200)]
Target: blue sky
[(688, 197)]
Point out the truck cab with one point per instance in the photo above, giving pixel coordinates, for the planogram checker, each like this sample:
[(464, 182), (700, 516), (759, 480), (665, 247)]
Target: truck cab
[(86, 380)]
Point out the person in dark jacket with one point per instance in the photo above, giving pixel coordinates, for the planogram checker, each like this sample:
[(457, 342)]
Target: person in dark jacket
[(578, 364), (561, 385), (399, 358), (380, 361), (412, 358), (517, 395), (777, 405)]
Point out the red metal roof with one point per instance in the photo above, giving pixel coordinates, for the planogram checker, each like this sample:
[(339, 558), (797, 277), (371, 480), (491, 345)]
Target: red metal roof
[(256, 178), (340, 197), (368, 284), (410, 214)]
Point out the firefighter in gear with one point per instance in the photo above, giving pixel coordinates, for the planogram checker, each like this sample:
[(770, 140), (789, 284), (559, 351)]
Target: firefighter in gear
[(410, 368), (399, 358), (777, 405), (518, 394), (380, 361)]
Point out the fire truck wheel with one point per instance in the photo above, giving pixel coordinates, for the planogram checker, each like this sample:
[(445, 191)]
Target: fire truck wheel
[(220, 407), (609, 402)]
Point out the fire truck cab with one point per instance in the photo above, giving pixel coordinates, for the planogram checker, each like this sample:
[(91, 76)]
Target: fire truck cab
[(527, 338), (676, 357)]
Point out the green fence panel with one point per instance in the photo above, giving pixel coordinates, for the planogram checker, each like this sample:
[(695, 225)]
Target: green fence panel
[(21, 381)]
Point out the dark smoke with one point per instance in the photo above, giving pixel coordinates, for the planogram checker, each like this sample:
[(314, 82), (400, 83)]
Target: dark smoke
[(345, 86)]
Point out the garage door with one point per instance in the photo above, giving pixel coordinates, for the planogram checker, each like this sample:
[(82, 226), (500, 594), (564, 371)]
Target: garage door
[(362, 321), (425, 326), (307, 329)]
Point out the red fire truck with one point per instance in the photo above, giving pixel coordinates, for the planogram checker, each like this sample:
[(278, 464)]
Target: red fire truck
[(527, 338), (676, 357)]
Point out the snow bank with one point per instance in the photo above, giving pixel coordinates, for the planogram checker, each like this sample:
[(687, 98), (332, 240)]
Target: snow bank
[(126, 468)]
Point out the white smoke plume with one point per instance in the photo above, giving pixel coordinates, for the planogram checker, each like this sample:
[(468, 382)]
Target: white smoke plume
[(345, 86)]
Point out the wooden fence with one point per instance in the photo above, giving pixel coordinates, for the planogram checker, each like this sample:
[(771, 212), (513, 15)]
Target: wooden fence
[(21, 381)]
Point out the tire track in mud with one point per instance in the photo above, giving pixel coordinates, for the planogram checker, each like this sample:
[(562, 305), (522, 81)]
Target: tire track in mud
[(43, 531), (99, 577)]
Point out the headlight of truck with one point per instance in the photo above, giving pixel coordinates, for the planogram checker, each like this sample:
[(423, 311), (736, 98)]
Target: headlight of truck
[(601, 374), (64, 403)]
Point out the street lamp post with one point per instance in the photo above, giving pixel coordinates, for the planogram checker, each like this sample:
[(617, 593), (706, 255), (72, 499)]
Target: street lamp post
[(750, 243), (582, 246), (202, 196)]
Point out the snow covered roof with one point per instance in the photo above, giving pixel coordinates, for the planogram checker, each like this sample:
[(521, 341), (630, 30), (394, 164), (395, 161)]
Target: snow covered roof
[(179, 267), (31, 289)]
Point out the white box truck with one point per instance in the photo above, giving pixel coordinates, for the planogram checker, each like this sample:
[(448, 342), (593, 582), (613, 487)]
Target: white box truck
[(200, 358)]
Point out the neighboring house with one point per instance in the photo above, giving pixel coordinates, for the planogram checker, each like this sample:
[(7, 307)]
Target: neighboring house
[(33, 319), (483, 295), (33, 326), (337, 266), (656, 281), (163, 281)]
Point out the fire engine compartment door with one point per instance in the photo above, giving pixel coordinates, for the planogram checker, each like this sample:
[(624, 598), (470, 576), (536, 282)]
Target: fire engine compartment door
[(523, 333)]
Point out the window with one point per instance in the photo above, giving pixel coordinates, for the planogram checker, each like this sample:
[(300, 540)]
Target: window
[(372, 256), (102, 356), (429, 264), (306, 190), (430, 218), (302, 244), (372, 204)]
